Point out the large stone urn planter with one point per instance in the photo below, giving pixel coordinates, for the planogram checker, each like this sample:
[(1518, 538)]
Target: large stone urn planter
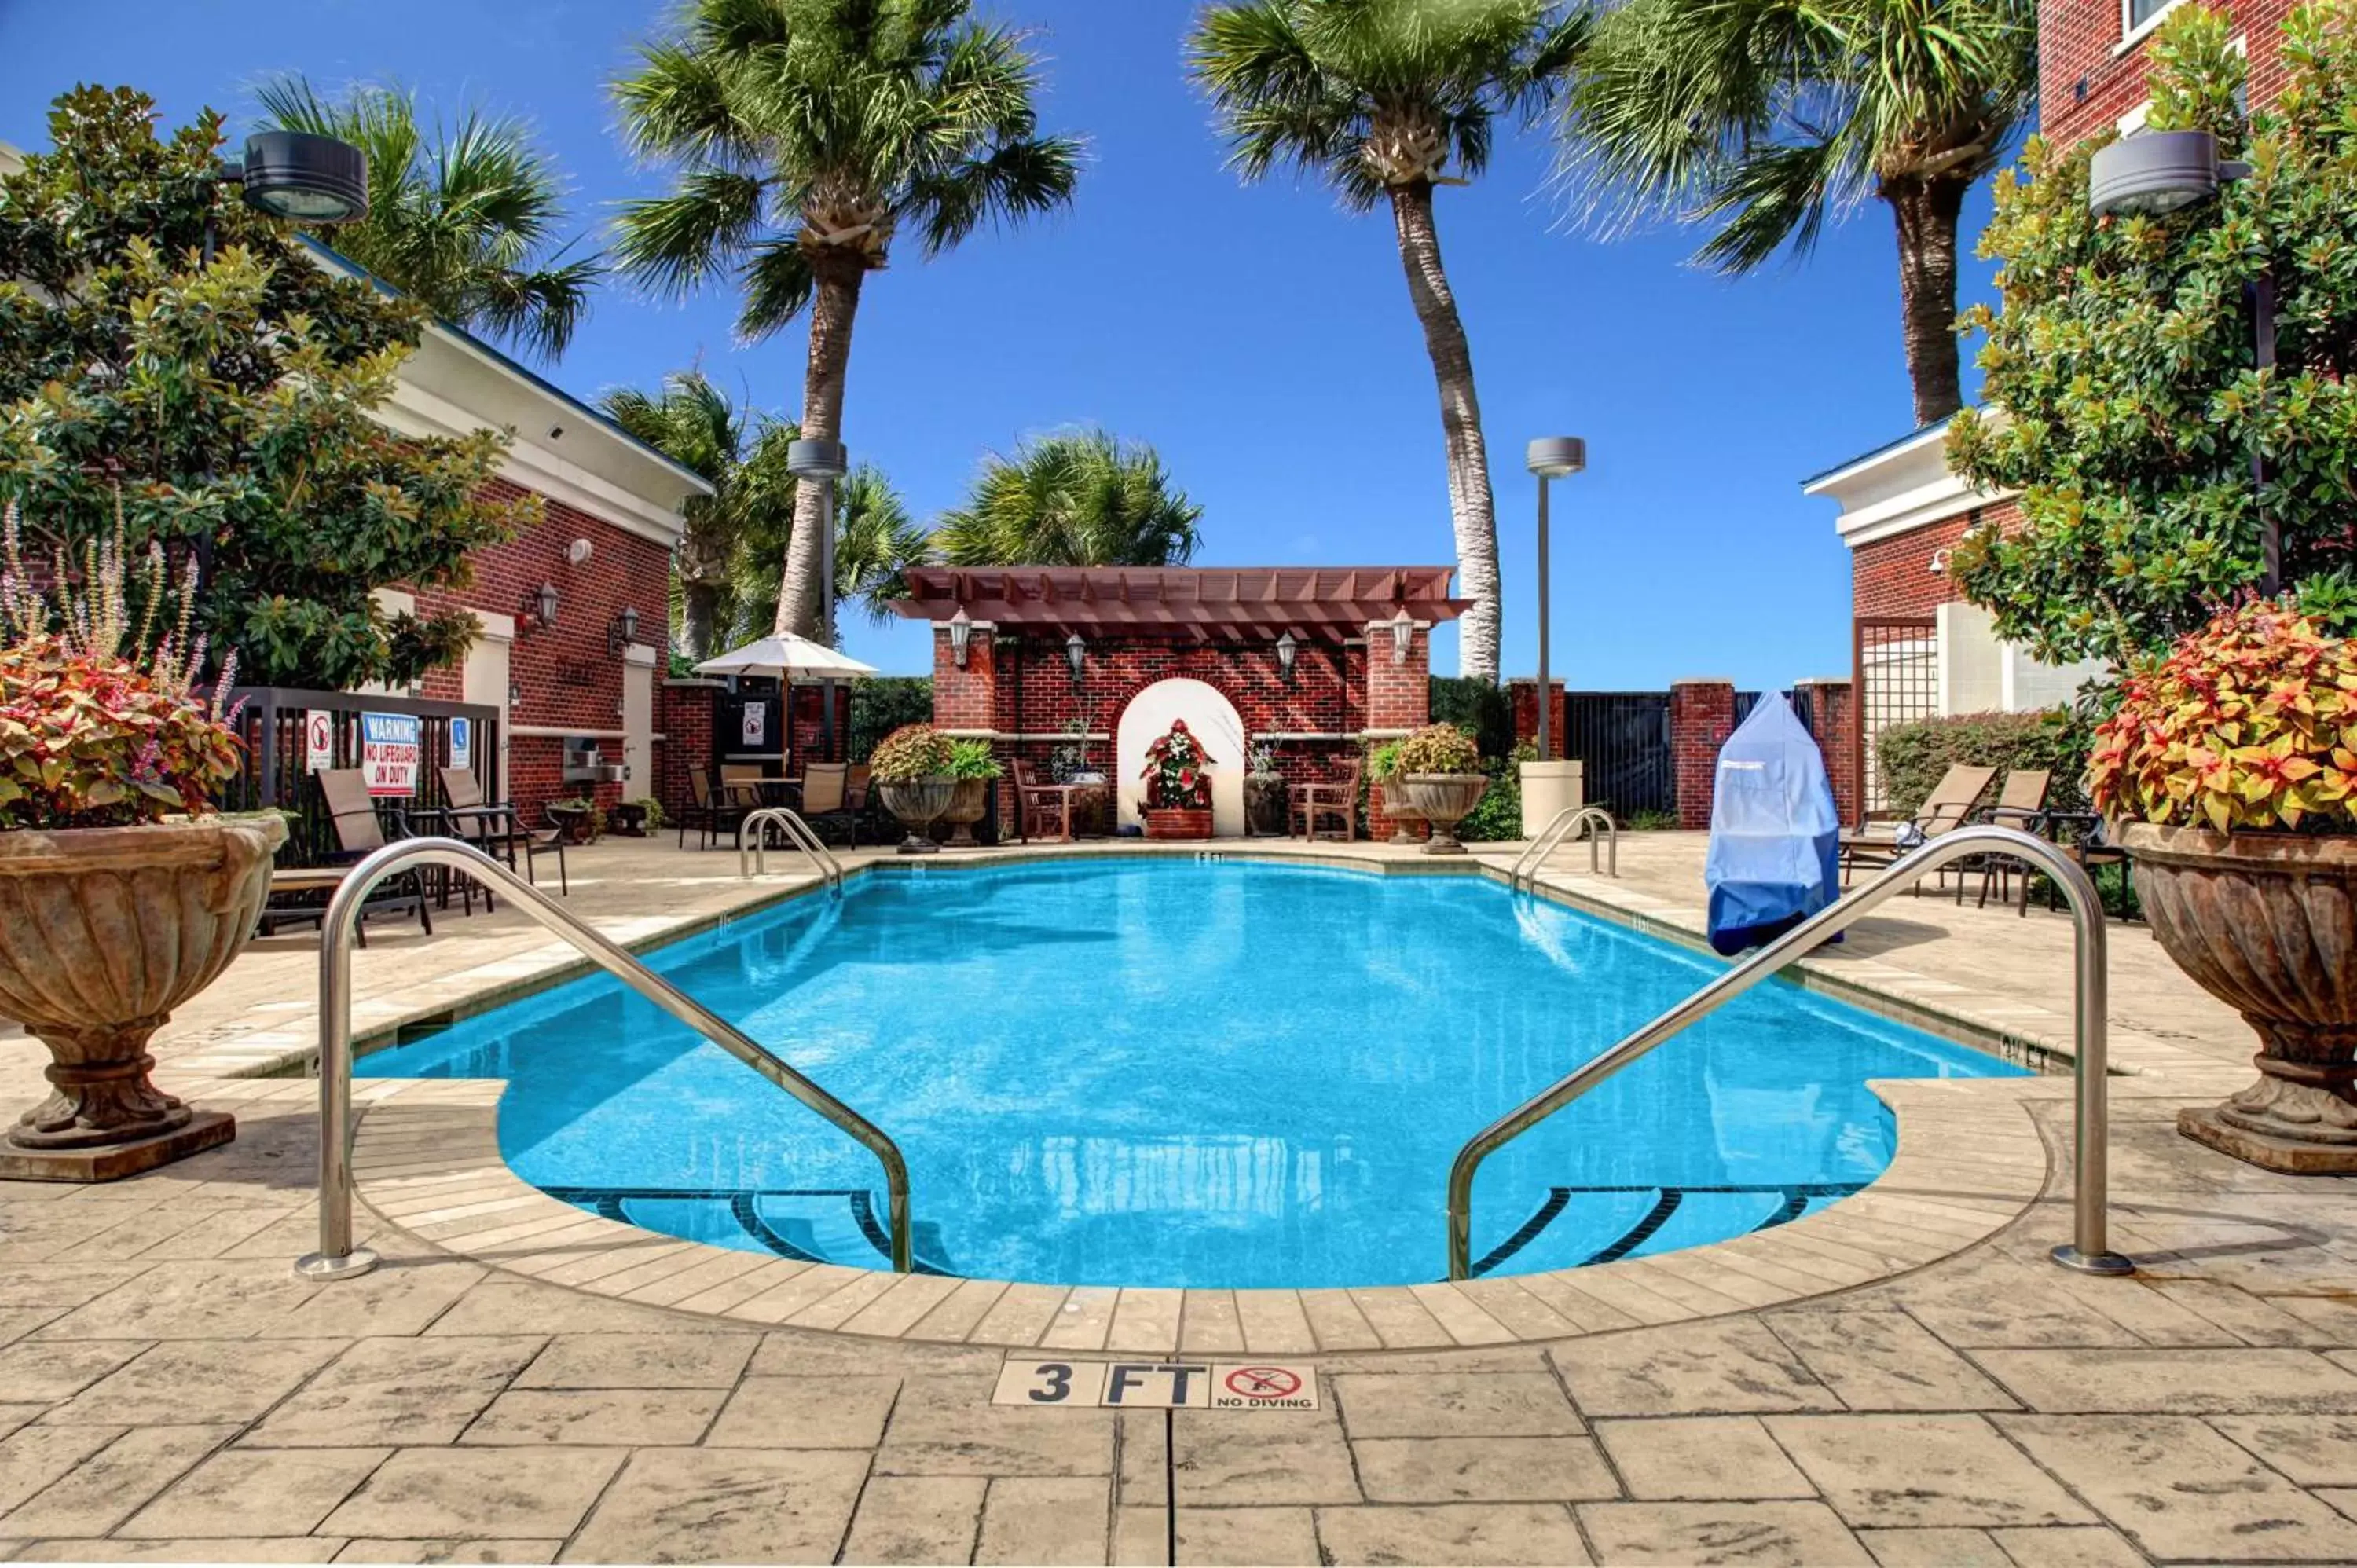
[(967, 802), (1390, 800), (1179, 823), (2267, 924), (103, 932), (1444, 800), (918, 803)]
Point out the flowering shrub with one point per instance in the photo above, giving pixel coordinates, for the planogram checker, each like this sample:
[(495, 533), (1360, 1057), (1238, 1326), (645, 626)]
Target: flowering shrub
[(91, 735), (1178, 775), (910, 753), (1438, 748), (2250, 722)]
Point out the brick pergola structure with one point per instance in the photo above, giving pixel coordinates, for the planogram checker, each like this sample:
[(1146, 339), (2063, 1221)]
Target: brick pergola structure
[(1360, 638)]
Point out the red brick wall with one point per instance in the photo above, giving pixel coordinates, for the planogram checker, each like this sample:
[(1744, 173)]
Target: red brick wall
[(1399, 691), (962, 697), (685, 711), (1832, 714), (2085, 86), (1702, 715), (1523, 694), (568, 677)]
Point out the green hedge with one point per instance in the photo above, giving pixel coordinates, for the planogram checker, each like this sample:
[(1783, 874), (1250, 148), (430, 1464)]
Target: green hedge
[(1478, 707), (1913, 757), (882, 704)]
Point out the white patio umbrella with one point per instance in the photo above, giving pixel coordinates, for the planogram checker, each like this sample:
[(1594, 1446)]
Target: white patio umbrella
[(789, 658)]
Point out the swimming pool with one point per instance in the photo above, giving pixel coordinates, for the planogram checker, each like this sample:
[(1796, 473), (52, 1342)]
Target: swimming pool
[(1157, 1072)]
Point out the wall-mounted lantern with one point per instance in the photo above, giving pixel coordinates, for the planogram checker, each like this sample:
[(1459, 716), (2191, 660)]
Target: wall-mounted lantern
[(961, 636), (1403, 630), (623, 632), (515, 694), (1286, 649), (1076, 653), (540, 606)]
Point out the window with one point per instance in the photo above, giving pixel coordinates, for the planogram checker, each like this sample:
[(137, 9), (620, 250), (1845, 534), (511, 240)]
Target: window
[(2139, 12)]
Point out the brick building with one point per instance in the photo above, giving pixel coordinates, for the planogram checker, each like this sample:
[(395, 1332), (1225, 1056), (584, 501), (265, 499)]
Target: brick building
[(1918, 649), (1036, 659)]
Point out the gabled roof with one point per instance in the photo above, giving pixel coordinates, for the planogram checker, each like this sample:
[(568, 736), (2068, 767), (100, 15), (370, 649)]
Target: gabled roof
[(1202, 603)]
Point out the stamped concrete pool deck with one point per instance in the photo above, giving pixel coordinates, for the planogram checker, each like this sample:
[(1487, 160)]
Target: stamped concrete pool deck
[(170, 1391)]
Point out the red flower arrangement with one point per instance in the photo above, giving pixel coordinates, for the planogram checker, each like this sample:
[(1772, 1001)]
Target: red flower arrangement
[(1178, 774)]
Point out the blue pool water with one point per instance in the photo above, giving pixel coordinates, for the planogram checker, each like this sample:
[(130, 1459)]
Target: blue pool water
[(1180, 1073)]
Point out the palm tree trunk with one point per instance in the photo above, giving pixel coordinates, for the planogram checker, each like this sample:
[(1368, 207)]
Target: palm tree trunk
[(1927, 213), (1461, 427), (834, 304), (698, 603)]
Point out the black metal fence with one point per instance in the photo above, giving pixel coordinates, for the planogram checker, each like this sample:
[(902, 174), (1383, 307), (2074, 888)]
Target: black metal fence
[(1622, 741), (290, 733)]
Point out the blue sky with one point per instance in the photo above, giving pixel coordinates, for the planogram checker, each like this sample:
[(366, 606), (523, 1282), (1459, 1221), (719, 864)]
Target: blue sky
[(1260, 337)]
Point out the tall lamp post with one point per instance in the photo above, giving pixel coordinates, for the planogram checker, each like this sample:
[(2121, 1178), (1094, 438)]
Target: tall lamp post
[(1550, 457), (825, 462), (2159, 172)]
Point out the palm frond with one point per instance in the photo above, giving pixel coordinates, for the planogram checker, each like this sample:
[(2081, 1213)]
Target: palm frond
[(1081, 498), (675, 243)]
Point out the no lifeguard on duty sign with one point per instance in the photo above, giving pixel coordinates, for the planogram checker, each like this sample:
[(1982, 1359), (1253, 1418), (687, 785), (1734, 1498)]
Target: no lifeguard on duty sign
[(1157, 1385)]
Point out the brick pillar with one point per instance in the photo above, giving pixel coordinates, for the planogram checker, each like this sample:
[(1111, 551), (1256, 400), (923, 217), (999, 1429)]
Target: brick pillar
[(1399, 696), (966, 698), (1702, 715), (1523, 692), (1833, 718)]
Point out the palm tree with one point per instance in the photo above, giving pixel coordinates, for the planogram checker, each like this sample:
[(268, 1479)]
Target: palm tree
[(464, 220), (875, 541), (804, 136), (1762, 118), (1378, 98), (1071, 499), (693, 422)]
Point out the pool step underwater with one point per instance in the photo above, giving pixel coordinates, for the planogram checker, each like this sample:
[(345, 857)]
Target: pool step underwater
[(823, 1225), (1576, 1226)]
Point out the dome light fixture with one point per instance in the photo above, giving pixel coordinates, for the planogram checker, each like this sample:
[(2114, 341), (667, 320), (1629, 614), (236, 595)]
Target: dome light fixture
[(311, 180)]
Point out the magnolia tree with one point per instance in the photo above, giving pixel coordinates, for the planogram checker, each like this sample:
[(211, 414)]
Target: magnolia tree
[(2123, 358), (227, 409)]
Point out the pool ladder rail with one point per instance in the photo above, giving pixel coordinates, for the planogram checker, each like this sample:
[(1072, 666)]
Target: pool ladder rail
[(798, 832), (2088, 1250), (1599, 821), (338, 1258)]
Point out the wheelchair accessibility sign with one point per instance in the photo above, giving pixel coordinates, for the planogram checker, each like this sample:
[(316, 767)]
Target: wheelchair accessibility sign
[(1155, 1385)]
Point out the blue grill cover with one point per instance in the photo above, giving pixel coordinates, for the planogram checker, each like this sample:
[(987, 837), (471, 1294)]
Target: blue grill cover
[(1774, 836)]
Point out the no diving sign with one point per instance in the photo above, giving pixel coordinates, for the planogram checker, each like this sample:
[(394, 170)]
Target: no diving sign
[(1157, 1385)]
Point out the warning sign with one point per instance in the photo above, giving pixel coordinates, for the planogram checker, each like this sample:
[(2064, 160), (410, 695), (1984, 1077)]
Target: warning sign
[(318, 740), (1154, 1385), (389, 750)]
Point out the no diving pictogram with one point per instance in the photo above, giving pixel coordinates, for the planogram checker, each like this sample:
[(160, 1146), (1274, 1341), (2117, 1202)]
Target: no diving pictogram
[(1264, 1382)]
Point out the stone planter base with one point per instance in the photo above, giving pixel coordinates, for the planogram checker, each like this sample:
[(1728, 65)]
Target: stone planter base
[(2292, 1156), (1444, 800), (113, 1162)]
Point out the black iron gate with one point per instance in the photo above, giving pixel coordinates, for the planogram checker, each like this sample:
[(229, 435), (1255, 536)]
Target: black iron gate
[(282, 750), (1621, 739)]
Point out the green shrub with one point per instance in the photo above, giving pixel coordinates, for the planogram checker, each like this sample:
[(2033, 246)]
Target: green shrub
[(910, 753), (653, 810), (882, 704), (1498, 817), (1911, 756), (972, 760), (1652, 819), (1439, 748), (1480, 707)]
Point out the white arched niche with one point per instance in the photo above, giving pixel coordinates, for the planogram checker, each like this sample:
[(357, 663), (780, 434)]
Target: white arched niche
[(1216, 724)]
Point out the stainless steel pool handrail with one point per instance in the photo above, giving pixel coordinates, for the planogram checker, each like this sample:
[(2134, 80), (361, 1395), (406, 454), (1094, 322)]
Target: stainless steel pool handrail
[(2088, 1250), (1561, 826), (337, 1257), (798, 832)]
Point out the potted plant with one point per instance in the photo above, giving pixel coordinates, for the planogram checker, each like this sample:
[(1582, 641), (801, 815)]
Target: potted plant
[(1388, 796), (1264, 792), (910, 768), (126, 894), (973, 766), (636, 818), (580, 819), (2229, 771), (1440, 769), (1178, 775)]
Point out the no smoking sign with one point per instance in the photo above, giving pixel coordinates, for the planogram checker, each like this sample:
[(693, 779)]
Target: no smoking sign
[(1155, 1385)]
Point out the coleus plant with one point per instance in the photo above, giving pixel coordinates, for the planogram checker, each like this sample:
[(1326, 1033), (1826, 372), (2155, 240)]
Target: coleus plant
[(100, 726), (910, 753), (1438, 748), (2249, 724)]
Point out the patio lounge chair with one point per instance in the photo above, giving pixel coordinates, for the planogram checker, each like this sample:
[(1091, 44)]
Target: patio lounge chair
[(493, 827), (1328, 798), (826, 798), (1949, 805), (711, 810), (299, 894), (1040, 805), (2020, 803)]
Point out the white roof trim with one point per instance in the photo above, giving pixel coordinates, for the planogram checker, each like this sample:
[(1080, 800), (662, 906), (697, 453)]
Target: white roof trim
[(1899, 489)]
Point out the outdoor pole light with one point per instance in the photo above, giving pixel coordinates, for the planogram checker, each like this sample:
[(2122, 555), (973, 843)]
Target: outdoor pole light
[(961, 635), (1075, 652), (826, 462), (1286, 648), (1550, 457), (316, 181), (2154, 173)]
